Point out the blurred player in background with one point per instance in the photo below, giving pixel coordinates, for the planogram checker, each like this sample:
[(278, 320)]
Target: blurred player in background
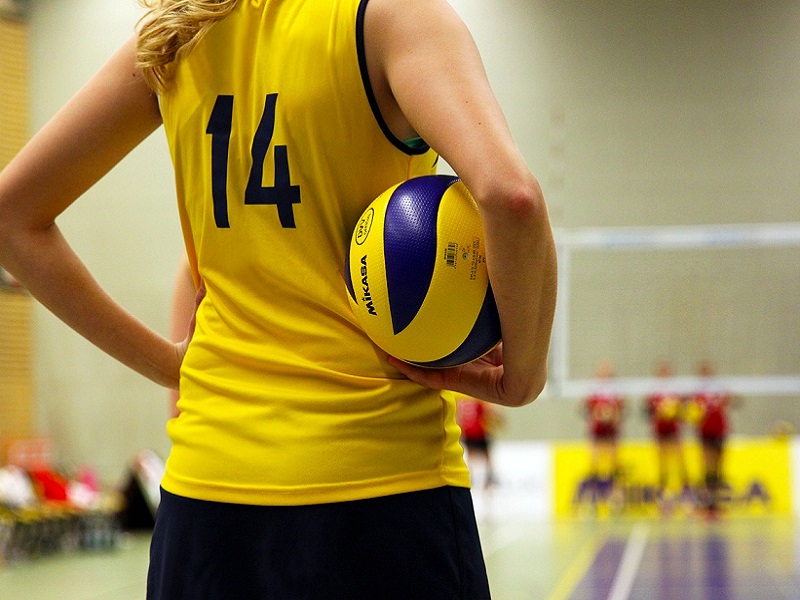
[(664, 408), (604, 409), (708, 409), (478, 421)]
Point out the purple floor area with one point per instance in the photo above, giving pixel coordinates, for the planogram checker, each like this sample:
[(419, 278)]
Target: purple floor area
[(724, 560)]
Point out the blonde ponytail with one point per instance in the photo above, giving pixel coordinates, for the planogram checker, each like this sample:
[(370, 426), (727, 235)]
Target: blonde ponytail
[(169, 29)]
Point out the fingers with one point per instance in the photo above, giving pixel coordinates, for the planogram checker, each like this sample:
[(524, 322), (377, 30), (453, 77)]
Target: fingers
[(432, 378), (182, 346), (201, 293), (481, 378), (198, 299)]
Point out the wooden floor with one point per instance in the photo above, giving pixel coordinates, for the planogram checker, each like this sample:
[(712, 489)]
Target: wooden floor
[(688, 559), (691, 559)]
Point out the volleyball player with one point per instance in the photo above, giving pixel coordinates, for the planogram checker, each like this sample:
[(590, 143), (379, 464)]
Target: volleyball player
[(304, 463), (604, 408), (665, 409), (711, 404), (478, 420)]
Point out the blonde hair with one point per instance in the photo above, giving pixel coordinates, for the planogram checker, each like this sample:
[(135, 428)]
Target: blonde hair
[(171, 28)]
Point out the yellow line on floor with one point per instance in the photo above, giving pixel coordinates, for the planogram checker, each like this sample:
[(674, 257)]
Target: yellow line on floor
[(578, 568)]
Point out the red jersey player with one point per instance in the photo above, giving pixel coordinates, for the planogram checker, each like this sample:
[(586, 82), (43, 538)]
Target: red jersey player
[(710, 406), (604, 409), (477, 419)]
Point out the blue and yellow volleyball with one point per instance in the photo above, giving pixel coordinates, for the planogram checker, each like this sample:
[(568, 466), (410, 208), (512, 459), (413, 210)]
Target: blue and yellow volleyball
[(416, 274)]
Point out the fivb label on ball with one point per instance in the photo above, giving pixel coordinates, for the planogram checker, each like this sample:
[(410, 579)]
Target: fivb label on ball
[(364, 226)]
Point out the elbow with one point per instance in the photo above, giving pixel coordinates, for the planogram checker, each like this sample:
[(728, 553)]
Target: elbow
[(9, 234), (530, 391), (6, 233), (521, 198), (18, 240), (9, 225), (526, 201)]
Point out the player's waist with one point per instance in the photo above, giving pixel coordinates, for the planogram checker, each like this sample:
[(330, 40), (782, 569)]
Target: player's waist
[(288, 451)]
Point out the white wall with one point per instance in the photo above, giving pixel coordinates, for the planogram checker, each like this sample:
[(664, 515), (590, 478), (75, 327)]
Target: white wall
[(126, 229), (650, 113), (630, 113)]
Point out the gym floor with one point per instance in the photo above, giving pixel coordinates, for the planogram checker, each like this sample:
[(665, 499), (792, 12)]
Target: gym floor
[(624, 559)]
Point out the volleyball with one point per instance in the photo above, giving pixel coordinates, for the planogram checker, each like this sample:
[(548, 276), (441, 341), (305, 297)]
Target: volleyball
[(416, 274)]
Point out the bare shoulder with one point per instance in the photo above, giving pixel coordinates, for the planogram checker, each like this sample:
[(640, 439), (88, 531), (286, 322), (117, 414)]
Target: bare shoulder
[(404, 42), (407, 20)]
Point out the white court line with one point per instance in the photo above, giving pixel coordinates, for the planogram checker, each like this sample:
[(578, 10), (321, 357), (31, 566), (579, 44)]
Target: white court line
[(629, 565)]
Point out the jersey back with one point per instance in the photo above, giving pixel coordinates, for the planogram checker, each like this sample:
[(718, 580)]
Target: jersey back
[(278, 148)]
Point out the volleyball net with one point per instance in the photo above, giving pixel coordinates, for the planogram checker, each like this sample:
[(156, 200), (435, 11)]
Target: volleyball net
[(728, 294)]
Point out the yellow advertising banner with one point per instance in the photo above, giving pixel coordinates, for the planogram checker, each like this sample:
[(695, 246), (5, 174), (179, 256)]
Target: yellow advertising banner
[(756, 479)]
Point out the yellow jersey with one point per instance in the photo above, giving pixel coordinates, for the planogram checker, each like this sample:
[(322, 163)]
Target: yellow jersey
[(278, 147)]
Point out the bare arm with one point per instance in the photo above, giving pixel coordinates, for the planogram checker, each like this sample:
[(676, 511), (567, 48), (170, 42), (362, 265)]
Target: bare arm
[(430, 80), (102, 123), (182, 312)]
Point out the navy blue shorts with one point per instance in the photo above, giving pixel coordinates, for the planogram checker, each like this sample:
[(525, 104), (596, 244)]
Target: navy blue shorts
[(416, 546)]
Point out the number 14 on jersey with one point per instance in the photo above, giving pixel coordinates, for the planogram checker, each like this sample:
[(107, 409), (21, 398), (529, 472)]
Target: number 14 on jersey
[(282, 194)]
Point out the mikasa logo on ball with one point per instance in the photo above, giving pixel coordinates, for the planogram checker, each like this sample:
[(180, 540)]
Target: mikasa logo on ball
[(365, 286), (364, 225)]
